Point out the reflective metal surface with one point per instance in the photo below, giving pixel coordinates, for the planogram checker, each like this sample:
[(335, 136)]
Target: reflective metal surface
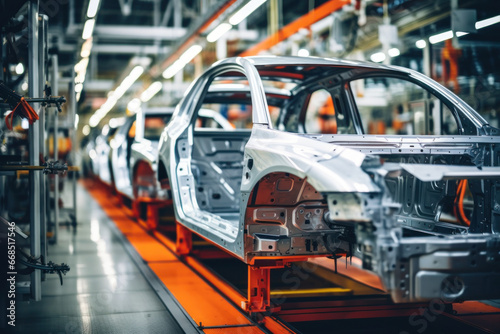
[(278, 190)]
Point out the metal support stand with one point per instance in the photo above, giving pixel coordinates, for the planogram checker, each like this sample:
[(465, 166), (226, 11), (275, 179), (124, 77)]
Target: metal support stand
[(153, 214), (259, 290), (184, 242), (33, 138), (148, 210)]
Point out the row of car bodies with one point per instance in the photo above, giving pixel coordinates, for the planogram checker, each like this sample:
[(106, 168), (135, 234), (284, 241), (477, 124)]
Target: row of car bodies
[(290, 157), (125, 153)]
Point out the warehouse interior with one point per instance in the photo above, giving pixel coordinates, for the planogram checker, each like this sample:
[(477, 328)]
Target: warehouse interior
[(250, 166)]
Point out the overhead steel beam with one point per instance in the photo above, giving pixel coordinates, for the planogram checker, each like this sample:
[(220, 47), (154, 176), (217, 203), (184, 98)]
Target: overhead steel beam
[(130, 49), (138, 32), (94, 86), (119, 49)]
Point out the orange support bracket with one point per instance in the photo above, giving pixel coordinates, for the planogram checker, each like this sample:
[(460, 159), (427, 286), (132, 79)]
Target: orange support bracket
[(136, 209), (153, 215), (184, 242), (259, 290)]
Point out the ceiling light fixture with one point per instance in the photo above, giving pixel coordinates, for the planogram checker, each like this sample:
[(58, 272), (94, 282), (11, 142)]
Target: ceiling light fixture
[(394, 52), (378, 57), (78, 87), (86, 48), (80, 77), (190, 53), (82, 64), (86, 130), (114, 96), (92, 10), (421, 44), (173, 69), (219, 32), (134, 105), (245, 11), (449, 34), (151, 91), (116, 122), (487, 22), (19, 68), (183, 60), (88, 29), (303, 53), (441, 37)]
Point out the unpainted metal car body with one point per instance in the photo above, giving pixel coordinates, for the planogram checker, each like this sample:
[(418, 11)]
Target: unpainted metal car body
[(101, 164), (350, 158), (134, 150)]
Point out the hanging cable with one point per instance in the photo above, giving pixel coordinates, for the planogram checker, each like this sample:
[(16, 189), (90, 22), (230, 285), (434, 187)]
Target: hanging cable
[(23, 110), (458, 208), (22, 107)]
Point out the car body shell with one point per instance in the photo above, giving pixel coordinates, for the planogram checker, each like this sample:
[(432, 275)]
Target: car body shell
[(343, 184)]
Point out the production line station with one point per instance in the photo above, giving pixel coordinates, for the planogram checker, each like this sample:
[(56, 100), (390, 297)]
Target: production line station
[(250, 166)]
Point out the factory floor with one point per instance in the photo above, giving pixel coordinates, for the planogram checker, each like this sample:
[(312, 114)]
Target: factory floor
[(120, 273), (104, 292)]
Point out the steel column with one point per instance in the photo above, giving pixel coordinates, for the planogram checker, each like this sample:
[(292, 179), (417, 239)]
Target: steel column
[(42, 61), (177, 14), (427, 60), (33, 138), (55, 92), (72, 133)]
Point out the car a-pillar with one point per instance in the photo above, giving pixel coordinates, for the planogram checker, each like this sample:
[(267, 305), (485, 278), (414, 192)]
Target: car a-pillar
[(284, 223)]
